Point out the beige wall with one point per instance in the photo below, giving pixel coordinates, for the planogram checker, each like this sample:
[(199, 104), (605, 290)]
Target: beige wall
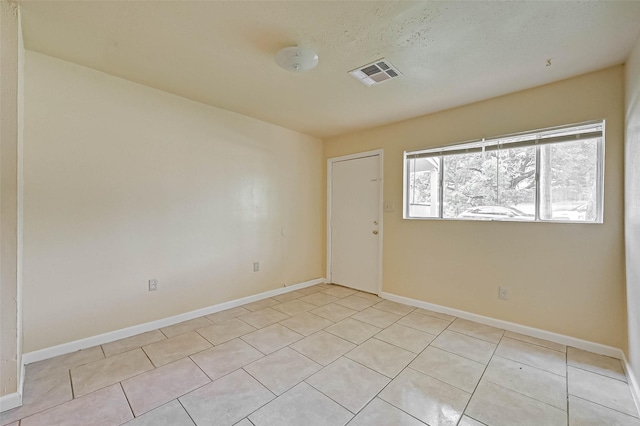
[(632, 205), (565, 278), (10, 145), (124, 183)]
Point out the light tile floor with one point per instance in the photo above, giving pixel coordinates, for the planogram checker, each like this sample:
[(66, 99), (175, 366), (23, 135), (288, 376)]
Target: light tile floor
[(327, 355)]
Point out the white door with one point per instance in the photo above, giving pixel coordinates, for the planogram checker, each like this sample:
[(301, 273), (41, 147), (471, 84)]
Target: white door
[(355, 223)]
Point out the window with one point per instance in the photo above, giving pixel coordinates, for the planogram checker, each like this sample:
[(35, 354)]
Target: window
[(551, 175)]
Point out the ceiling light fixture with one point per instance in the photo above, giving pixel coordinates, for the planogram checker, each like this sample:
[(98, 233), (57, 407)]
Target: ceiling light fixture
[(297, 59)]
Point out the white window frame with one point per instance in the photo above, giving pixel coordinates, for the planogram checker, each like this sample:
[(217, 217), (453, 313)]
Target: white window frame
[(537, 138)]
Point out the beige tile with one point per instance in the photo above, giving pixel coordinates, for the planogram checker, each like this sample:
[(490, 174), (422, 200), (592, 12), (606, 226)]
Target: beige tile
[(498, 406), (394, 307), (355, 302), (379, 412), (102, 373), (294, 307), (602, 390), (282, 370), (338, 291), (333, 312), (301, 406), (434, 314), (466, 346), (585, 413), (133, 342), (532, 382), (381, 357), (468, 421), (263, 318), (595, 363), (310, 290), (405, 337), (285, 297), (170, 414), (325, 286), (449, 368), (224, 331), (424, 323), (477, 330), (228, 314), (319, 299), (533, 355), (40, 393), (154, 388), (306, 324), (353, 330), (244, 422), (259, 305), (348, 383), (186, 326), (105, 407), (65, 362), (166, 351), (227, 400), (534, 340), (322, 347), (225, 358), (377, 317), (427, 399), (369, 296), (14, 424), (272, 338)]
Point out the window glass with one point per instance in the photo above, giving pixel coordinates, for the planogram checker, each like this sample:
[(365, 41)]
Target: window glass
[(548, 175), (469, 181), (517, 182), (568, 181), (424, 187)]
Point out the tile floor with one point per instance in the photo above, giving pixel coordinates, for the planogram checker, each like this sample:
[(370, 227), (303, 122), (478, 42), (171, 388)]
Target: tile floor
[(326, 355)]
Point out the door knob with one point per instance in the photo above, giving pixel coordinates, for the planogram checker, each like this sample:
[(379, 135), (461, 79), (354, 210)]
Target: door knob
[(375, 232)]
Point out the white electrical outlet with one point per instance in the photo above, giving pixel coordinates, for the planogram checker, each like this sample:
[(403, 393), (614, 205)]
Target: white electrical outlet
[(503, 293), (256, 266), (389, 206), (153, 284)]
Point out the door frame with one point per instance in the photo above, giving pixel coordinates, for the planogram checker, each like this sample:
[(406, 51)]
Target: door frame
[(330, 162)]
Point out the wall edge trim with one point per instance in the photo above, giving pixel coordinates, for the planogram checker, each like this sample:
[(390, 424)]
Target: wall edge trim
[(633, 381), (76, 345), (511, 326), (9, 401)]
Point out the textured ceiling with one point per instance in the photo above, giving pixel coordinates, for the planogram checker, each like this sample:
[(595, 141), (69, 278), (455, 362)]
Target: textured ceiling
[(222, 52)]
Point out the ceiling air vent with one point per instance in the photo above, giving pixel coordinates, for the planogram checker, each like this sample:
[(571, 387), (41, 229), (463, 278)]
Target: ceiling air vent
[(375, 73)]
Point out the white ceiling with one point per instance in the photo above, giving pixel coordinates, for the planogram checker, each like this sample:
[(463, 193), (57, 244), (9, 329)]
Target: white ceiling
[(222, 52)]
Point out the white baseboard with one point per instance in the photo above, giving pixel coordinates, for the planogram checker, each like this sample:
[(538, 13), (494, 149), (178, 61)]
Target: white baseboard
[(111, 336), (517, 328), (12, 400), (633, 381)]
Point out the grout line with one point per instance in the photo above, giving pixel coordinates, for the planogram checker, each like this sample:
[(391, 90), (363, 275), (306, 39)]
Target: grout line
[(539, 345), (185, 409), (73, 394), (566, 387), (484, 424), (275, 395), (482, 375), (241, 338), (598, 374), (127, 398), (604, 406)]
